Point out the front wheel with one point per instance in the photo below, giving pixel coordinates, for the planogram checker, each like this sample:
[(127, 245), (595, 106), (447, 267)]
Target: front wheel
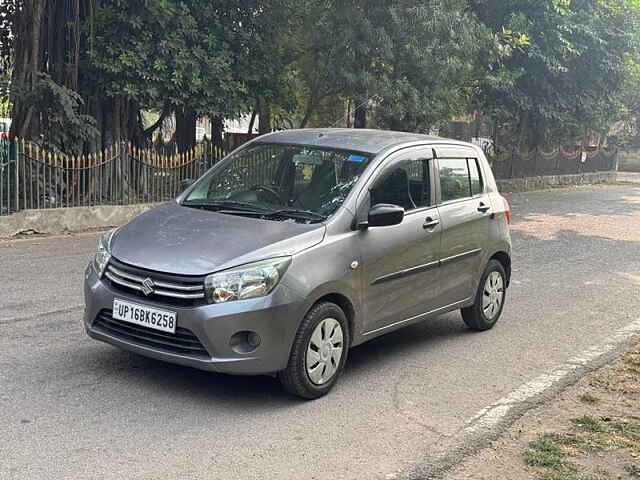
[(319, 352), (489, 302)]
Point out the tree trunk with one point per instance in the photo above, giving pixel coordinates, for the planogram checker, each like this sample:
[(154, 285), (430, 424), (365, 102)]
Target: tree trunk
[(523, 131), (307, 113), (360, 116), (265, 118), (117, 122), (95, 108), (148, 133), (27, 65), (73, 67), (217, 129), (252, 122), (134, 123), (185, 129)]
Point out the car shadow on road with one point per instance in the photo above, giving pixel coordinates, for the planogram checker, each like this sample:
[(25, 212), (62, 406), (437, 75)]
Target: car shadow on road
[(404, 343), (234, 393)]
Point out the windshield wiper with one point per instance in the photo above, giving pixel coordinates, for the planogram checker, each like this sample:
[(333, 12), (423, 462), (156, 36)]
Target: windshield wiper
[(228, 205), (255, 210), (296, 214)]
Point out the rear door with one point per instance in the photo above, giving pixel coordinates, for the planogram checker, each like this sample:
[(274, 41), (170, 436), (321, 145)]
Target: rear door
[(465, 212), (400, 262)]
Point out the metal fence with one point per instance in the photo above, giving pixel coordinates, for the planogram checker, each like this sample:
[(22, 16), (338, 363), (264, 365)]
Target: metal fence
[(32, 178), (507, 162), (557, 161), (8, 177)]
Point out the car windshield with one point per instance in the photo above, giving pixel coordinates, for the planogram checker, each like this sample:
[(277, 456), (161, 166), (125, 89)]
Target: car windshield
[(292, 182)]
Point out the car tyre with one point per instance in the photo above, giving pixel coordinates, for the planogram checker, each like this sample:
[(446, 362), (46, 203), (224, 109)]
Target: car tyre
[(314, 366), (489, 301)]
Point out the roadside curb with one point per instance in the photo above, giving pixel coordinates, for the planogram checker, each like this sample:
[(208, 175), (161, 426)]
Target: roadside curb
[(489, 423), (57, 221), (530, 184)]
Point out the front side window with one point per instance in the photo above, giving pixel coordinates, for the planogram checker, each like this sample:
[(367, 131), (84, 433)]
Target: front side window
[(459, 178), (268, 178), (406, 184)]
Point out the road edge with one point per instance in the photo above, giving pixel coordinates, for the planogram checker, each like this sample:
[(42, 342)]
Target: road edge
[(491, 422)]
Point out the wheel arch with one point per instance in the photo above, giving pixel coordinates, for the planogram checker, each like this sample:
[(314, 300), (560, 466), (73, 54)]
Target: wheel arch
[(505, 260), (345, 304)]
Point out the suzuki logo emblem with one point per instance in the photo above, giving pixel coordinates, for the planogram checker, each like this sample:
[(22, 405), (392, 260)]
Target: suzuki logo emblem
[(148, 286)]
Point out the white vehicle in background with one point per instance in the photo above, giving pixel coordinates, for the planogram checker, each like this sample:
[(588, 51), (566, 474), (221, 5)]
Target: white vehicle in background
[(5, 126), (483, 142), (200, 133)]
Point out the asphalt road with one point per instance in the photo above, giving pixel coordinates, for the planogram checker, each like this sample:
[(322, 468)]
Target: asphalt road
[(71, 407)]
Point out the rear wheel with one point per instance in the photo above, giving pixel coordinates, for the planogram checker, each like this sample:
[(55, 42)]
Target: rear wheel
[(489, 302), (319, 352)]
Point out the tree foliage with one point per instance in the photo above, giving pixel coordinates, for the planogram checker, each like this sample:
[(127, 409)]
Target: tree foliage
[(568, 73), (67, 129), (548, 70)]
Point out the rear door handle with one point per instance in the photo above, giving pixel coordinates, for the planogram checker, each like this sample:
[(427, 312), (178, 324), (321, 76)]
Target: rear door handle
[(483, 208), (430, 223)]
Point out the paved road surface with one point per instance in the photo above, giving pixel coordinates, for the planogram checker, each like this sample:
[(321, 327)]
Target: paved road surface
[(74, 408)]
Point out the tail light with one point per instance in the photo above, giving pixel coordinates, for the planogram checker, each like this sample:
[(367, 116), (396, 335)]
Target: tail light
[(4, 135), (507, 210)]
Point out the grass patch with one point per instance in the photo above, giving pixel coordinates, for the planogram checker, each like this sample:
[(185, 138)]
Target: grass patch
[(626, 427), (551, 452), (623, 442), (599, 444), (590, 424), (548, 452)]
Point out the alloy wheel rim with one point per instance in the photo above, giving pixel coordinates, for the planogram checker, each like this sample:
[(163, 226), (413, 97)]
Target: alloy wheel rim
[(492, 295), (324, 351)]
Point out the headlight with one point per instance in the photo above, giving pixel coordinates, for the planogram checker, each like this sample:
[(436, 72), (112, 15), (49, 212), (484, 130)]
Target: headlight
[(103, 253), (248, 281)]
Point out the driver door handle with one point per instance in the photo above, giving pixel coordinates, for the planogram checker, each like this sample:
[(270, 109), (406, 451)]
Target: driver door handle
[(430, 223), (483, 208)]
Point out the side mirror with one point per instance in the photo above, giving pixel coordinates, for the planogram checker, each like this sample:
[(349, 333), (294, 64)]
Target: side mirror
[(383, 215), (184, 184)]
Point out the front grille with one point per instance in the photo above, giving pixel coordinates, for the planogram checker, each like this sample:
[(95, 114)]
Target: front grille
[(183, 342), (180, 290)]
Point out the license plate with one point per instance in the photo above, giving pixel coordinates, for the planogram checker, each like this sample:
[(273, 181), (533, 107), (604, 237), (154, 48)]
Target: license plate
[(144, 316)]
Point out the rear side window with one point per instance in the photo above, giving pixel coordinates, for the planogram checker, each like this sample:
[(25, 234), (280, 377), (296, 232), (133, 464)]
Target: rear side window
[(475, 177), (459, 178)]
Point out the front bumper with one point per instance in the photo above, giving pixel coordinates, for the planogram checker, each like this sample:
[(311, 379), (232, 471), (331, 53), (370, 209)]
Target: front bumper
[(275, 318)]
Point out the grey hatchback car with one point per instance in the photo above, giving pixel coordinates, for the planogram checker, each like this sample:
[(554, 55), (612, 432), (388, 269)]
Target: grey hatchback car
[(300, 245)]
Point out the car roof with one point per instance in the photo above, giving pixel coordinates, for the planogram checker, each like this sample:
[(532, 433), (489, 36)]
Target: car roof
[(360, 140)]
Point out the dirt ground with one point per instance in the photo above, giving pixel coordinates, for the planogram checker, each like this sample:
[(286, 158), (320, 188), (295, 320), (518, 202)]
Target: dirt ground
[(589, 432)]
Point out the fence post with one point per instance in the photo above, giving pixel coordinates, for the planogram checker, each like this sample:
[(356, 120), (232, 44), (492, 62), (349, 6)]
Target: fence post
[(125, 169), (17, 170)]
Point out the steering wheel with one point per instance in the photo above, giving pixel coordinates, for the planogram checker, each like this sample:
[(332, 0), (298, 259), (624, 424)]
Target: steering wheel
[(271, 191)]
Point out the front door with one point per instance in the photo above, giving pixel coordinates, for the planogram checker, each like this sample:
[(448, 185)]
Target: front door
[(465, 214), (401, 262)]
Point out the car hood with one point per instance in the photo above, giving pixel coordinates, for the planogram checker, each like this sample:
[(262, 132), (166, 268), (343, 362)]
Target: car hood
[(188, 241)]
